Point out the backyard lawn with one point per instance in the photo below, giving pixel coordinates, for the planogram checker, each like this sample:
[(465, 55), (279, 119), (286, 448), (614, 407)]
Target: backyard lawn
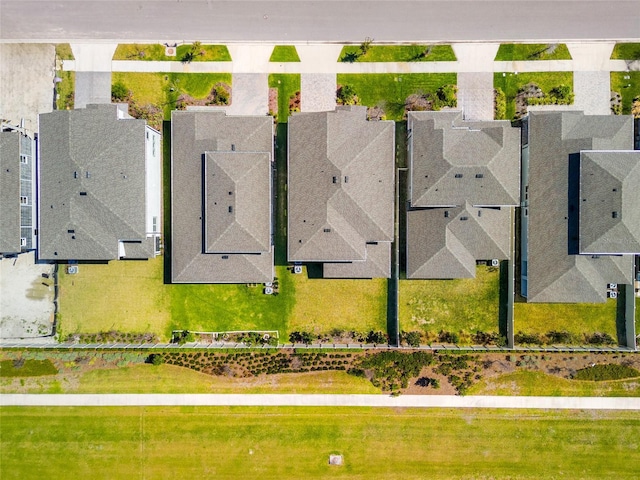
[(324, 304), (460, 305), (577, 318), (626, 84), (531, 383), (626, 51), (124, 295), (531, 51), (510, 83), (155, 51), (284, 53), (398, 53), (290, 442), (390, 90)]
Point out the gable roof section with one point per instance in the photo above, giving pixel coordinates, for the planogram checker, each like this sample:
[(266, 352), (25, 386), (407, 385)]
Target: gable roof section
[(455, 161), (610, 202), (445, 242), (341, 185), (9, 192), (92, 183), (210, 244), (553, 274)]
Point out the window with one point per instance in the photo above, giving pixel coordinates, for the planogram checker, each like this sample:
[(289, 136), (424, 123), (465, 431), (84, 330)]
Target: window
[(23, 159), (24, 200), (23, 242)]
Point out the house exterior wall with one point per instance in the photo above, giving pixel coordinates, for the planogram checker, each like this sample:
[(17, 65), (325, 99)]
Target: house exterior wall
[(153, 182)]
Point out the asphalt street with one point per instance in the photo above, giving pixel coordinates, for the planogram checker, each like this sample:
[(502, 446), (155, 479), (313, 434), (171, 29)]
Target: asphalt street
[(289, 21)]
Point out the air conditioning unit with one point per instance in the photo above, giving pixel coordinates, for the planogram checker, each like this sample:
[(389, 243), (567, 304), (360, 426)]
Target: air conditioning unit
[(495, 262), (612, 294), (72, 269), (612, 286)]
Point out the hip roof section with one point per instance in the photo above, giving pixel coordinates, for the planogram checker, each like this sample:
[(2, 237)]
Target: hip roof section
[(341, 185)]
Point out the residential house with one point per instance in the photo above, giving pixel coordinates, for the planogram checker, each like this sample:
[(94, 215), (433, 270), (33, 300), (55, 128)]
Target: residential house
[(463, 187), (341, 192), (100, 185), (17, 191), (221, 197), (581, 209)]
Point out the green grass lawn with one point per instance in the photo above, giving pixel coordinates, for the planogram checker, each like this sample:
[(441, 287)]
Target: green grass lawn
[(399, 53), (626, 51), (65, 90), (284, 53), (155, 88), (571, 317), (621, 84), (390, 90), (148, 52), (529, 51), (511, 83), (530, 383), (123, 295), (63, 51), (323, 304), (287, 84), (172, 379), (290, 442), (451, 305)]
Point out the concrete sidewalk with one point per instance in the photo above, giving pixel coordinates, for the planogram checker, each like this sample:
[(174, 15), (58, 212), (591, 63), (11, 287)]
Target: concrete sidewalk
[(318, 400)]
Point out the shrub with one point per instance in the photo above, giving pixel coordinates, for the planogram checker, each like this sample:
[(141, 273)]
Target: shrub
[(499, 104), (531, 338), (448, 337), (377, 337), (119, 92), (446, 96), (611, 371), (411, 338), (599, 338), (301, 337), (346, 95), (560, 337)]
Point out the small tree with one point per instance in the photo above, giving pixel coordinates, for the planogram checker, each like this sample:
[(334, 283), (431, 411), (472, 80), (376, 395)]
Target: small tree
[(364, 46)]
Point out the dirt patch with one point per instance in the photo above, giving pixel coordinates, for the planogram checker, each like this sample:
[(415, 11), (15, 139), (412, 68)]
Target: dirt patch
[(273, 102)]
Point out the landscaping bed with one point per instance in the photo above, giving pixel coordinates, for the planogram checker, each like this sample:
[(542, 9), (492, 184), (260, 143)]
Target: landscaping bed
[(538, 88)]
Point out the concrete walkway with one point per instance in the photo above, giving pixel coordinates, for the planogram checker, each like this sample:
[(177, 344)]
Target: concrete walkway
[(319, 400)]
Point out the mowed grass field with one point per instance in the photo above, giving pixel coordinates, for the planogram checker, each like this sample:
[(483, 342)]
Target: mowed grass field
[(628, 88), (451, 305), (529, 383), (575, 318), (532, 51), (398, 53), (146, 378), (290, 442)]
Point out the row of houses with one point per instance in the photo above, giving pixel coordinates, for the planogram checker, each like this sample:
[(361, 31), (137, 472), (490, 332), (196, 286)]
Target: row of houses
[(575, 178)]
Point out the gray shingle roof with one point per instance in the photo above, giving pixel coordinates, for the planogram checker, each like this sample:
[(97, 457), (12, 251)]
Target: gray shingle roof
[(9, 192), (341, 185), (210, 243), (610, 202), (92, 183), (376, 265), (446, 242), (455, 161), (553, 274)]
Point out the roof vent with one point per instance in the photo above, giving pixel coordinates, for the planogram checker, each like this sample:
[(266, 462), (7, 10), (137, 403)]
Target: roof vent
[(614, 214), (458, 175), (233, 147), (327, 230), (464, 218), (615, 189), (71, 231), (479, 175), (335, 179), (75, 174), (230, 209), (84, 194), (88, 175), (346, 179), (225, 257), (446, 214), (479, 213)]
